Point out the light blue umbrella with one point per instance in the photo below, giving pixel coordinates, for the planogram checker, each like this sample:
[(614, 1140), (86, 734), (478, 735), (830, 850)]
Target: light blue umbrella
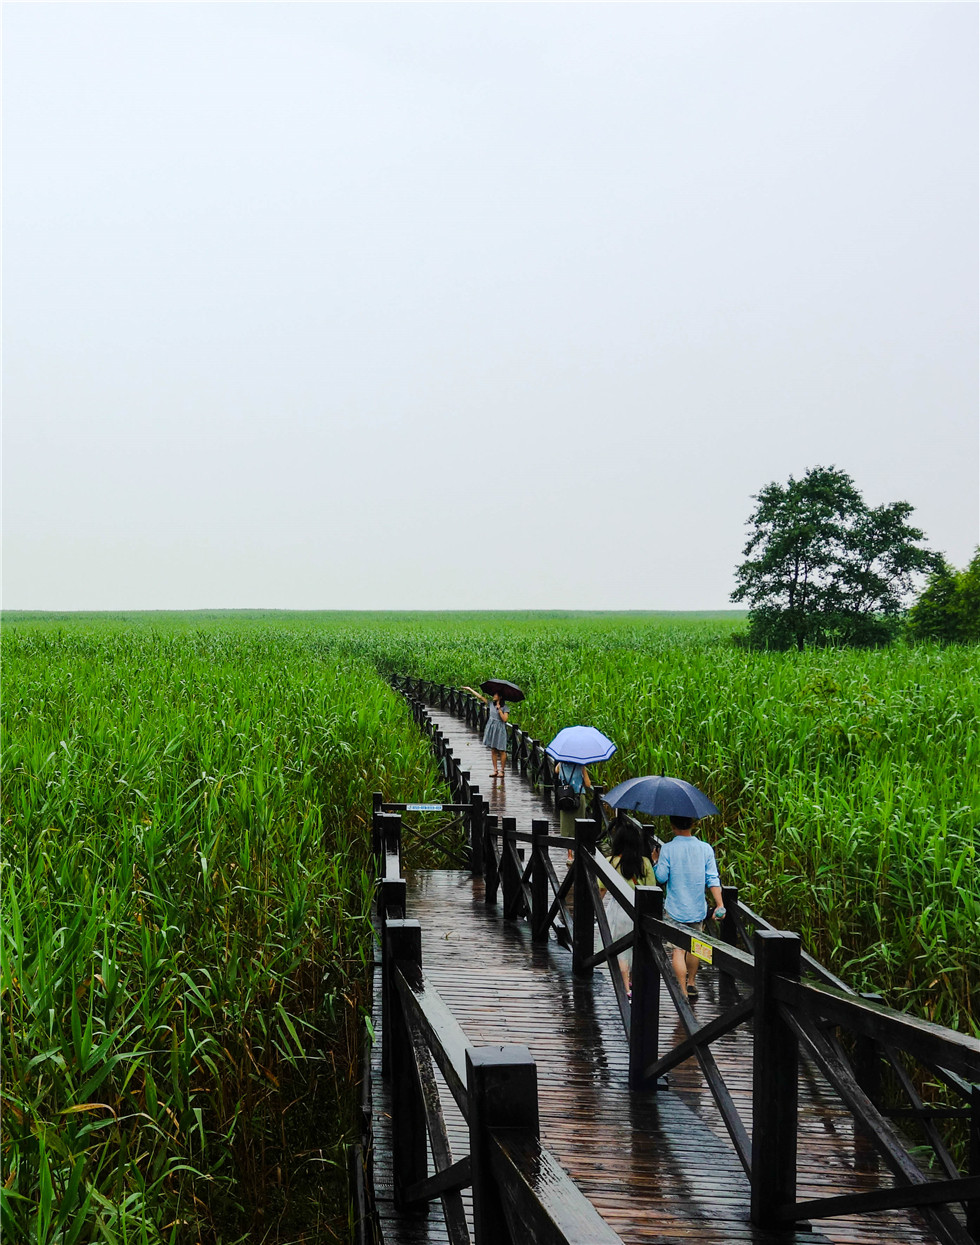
[(580, 745)]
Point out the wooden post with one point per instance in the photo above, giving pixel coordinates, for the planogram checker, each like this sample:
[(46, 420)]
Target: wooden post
[(867, 1072), (729, 901), (476, 815), (539, 881), (775, 1060), (510, 878), (491, 873), (598, 791), (408, 1135), (388, 829), (377, 799), (728, 991), (973, 1163), (583, 918), (502, 1088), (645, 1006), (391, 901)]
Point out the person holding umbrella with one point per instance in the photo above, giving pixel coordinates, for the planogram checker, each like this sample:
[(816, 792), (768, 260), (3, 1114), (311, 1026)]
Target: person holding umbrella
[(685, 866), (571, 774), (572, 749), (495, 732)]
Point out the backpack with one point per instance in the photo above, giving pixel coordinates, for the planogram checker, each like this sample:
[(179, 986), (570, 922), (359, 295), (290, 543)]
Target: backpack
[(566, 797)]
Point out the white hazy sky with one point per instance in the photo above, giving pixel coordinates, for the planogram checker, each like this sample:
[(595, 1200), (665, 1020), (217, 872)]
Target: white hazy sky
[(474, 306)]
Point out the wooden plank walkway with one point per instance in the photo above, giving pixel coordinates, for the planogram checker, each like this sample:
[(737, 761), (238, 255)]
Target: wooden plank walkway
[(659, 1167)]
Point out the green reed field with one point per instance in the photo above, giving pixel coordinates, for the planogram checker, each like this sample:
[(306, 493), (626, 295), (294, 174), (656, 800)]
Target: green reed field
[(185, 882), (186, 898)]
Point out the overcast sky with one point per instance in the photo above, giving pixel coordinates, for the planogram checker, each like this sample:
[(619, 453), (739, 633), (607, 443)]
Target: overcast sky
[(474, 306)]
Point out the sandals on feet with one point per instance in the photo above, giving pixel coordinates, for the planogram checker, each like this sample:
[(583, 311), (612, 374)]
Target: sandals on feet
[(692, 992)]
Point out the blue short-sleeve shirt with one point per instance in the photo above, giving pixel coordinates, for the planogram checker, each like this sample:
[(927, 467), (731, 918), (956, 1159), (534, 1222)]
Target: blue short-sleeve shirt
[(572, 774), (687, 867)]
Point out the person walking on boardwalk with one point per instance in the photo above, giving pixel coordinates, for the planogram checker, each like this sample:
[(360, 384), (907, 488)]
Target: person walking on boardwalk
[(576, 777), (686, 867), (495, 732), (629, 858)]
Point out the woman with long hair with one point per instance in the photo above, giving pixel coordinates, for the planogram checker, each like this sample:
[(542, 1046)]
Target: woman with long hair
[(630, 860)]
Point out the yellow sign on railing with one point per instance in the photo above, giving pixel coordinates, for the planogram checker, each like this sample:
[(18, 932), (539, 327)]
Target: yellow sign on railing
[(701, 949)]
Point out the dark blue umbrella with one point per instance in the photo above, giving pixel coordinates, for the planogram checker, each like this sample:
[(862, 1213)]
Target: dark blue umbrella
[(580, 745), (660, 797)]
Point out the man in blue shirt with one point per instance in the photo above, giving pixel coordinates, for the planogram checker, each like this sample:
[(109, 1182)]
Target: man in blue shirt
[(687, 868)]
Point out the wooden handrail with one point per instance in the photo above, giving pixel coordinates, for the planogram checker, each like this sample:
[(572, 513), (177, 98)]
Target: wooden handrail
[(920, 1038), (542, 1202), (739, 964), (446, 1041)]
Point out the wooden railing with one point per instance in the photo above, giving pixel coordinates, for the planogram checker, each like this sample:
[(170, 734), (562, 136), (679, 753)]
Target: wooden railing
[(795, 1003), (520, 1192)]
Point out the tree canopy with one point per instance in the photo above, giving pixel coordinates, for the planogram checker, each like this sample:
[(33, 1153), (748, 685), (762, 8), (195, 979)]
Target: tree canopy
[(949, 608), (823, 568)]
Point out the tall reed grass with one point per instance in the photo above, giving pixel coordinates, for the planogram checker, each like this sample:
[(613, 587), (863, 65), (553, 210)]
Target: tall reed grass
[(186, 894)]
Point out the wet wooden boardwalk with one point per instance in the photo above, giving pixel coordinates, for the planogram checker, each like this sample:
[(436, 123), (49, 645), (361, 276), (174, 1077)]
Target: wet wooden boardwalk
[(659, 1166)]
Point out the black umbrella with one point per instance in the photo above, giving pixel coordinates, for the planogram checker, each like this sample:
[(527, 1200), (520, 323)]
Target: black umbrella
[(660, 797), (505, 690)]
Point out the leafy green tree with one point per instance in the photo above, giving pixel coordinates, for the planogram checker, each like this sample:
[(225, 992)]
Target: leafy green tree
[(949, 608), (969, 601), (822, 568)]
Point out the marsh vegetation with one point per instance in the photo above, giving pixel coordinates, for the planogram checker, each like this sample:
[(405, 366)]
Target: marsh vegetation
[(186, 886)]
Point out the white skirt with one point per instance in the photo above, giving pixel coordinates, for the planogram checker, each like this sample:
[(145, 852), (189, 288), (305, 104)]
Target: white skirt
[(620, 923)]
